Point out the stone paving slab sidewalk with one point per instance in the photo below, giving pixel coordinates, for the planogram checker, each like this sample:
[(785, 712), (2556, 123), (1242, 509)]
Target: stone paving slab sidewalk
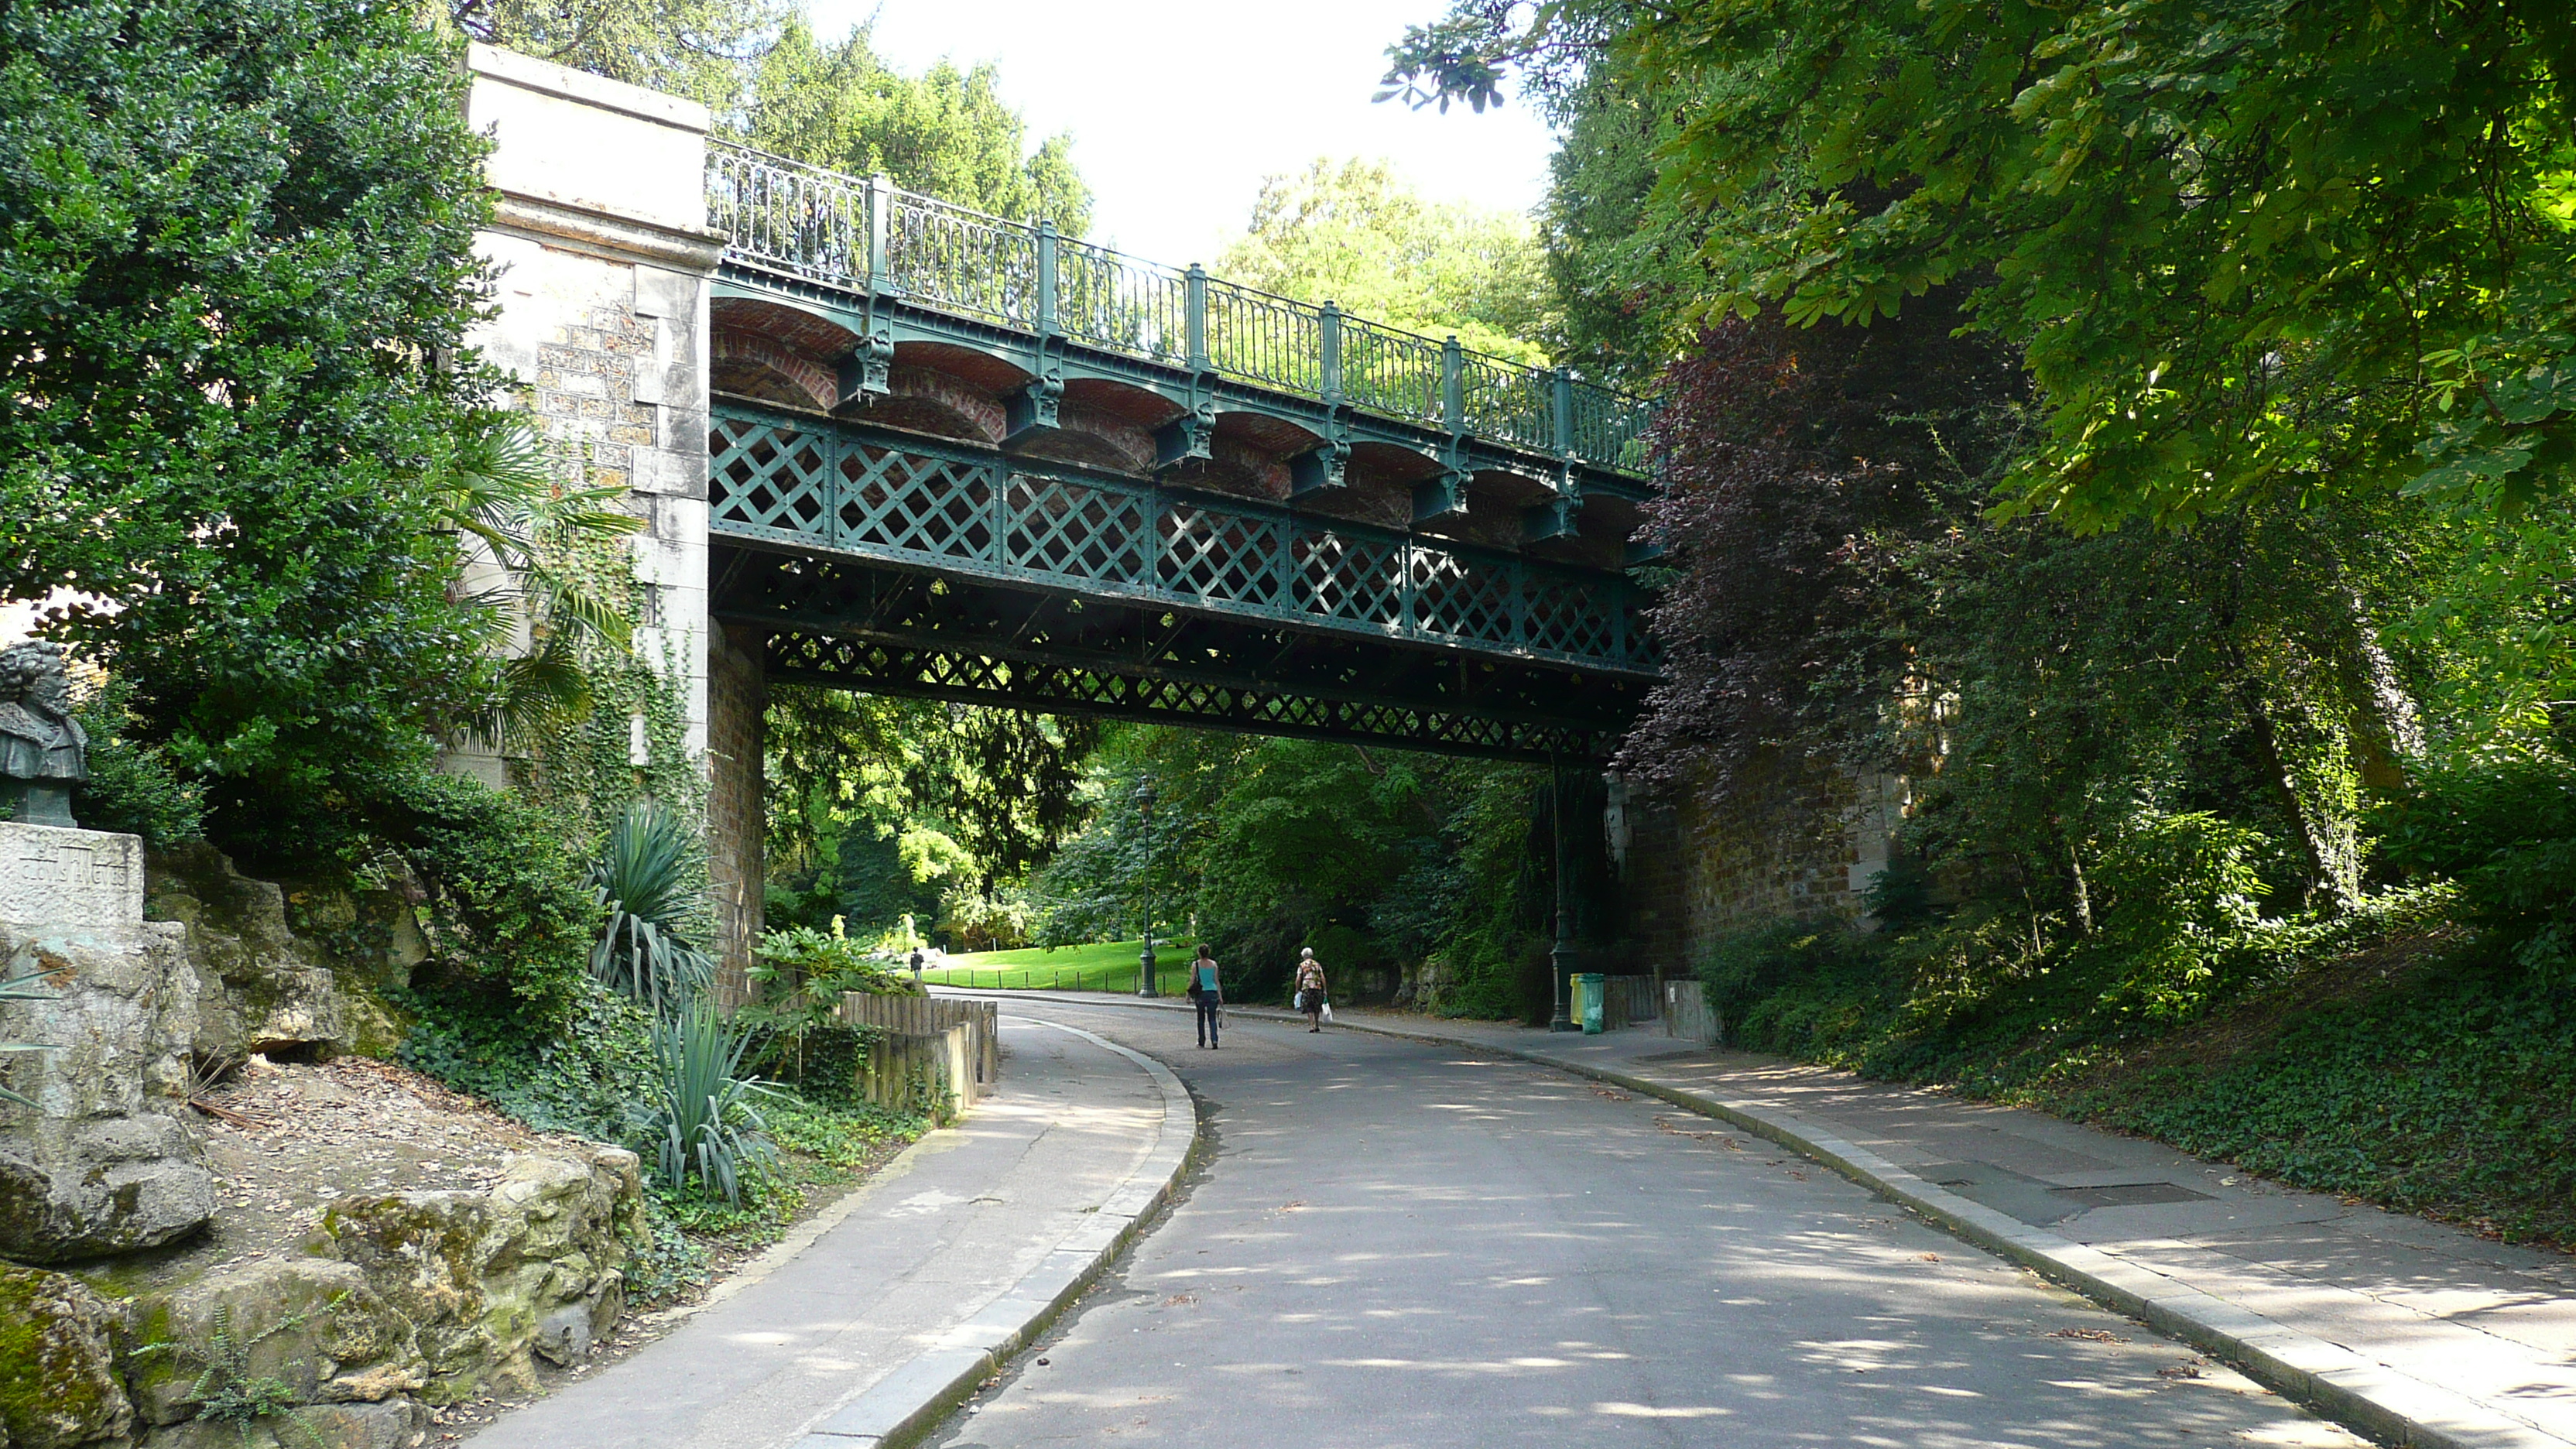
[(889, 1308), (2403, 1329)]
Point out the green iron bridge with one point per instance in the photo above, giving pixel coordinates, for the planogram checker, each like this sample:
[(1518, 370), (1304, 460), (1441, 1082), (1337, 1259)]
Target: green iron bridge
[(967, 458)]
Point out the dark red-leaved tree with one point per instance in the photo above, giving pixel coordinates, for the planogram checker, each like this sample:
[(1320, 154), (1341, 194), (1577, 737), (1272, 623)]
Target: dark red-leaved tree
[(1804, 470)]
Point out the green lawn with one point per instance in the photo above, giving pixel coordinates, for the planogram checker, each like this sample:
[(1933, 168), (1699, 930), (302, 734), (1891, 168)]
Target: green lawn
[(1105, 966)]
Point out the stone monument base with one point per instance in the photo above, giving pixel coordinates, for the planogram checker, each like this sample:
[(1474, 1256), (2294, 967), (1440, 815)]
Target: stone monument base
[(70, 880), (104, 1162)]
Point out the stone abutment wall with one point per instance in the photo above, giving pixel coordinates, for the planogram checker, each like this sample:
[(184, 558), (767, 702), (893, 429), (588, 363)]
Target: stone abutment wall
[(1805, 840)]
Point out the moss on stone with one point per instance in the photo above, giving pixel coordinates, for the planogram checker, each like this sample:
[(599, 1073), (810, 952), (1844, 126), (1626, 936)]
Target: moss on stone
[(58, 1384)]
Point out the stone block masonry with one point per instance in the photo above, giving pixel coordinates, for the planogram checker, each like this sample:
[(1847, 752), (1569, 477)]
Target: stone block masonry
[(70, 880), (602, 258), (1802, 840)]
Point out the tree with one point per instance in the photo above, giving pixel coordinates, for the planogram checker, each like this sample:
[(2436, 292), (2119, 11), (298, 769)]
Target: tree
[(881, 807), (2261, 247), (946, 133), (239, 248), (694, 48), (1355, 234), (1375, 857)]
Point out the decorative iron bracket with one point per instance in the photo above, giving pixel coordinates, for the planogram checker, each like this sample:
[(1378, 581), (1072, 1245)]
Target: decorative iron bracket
[(866, 374), (1186, 439), (1324, 466), (1445, 492)]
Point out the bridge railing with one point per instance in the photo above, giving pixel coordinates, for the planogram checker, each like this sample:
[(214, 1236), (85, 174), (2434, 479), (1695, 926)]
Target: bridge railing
[(867, 235)]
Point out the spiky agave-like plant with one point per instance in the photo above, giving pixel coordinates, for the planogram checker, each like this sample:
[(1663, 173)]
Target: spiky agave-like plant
[(707, 1124), (646, 883)]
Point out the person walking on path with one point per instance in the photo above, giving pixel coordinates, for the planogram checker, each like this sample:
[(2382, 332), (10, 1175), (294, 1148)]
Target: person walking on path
[(1206, 991), (1310, 988)]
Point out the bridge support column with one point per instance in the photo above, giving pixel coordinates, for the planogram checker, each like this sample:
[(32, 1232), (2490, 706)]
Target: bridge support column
[(1560, 956), (737, 780)]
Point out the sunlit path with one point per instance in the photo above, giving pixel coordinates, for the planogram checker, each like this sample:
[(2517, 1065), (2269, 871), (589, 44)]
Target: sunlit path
[(1397, 1245)]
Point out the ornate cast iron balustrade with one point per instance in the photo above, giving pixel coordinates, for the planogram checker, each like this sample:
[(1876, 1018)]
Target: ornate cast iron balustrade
[(822, 226), (904, 500)]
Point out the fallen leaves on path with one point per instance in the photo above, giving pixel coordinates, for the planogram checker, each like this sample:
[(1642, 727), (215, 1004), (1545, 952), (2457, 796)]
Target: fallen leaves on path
[(1665, 1124)]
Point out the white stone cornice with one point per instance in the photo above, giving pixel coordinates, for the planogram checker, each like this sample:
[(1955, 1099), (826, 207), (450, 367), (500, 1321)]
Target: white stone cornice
[(557, 222)]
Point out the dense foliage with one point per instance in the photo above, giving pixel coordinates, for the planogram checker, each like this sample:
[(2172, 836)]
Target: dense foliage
[(240, 242), (946, 132), (883, 809), (2131, 439), (694, 48), (1378, 859), (1353, 233)]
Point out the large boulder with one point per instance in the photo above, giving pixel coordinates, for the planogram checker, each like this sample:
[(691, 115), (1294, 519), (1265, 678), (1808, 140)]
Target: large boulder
[(262, 988), (314, 1331), (102, 1164), (490, 1279), (58, 1382)]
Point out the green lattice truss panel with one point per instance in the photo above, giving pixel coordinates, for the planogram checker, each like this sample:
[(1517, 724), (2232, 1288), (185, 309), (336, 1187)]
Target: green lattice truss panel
[(891, 564), (807, 485)]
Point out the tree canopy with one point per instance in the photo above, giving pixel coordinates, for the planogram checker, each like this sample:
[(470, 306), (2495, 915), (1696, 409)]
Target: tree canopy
[(946, 132), (693, 48), (239, 250), (1355, 233), (2258, 246)]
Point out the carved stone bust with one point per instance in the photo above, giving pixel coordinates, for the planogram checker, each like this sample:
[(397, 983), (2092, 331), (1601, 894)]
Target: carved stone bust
[(43, 751)]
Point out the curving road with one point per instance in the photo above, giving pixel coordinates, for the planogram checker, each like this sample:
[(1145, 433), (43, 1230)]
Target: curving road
[(1396, 1245)]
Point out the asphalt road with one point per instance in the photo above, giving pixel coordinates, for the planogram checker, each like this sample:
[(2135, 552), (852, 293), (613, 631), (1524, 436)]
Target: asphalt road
[(1397, 1245)]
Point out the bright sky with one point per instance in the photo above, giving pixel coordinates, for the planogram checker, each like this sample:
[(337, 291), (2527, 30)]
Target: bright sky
[(1179, 108)]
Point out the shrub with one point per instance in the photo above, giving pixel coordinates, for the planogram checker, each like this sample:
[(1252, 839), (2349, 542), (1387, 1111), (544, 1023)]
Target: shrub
[(798, 975), (705, 1126), (647, 881), (2506, 830), (582, 1069), (132, 787), (1745, 969), (2176, 889)]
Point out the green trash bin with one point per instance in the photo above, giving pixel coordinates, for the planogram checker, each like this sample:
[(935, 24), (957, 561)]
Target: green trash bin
[(1589, 988)]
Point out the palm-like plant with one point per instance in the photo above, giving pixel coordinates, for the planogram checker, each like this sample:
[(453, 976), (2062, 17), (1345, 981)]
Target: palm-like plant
[(647, 883), (494, 483), (24, 987), (706, 1124)]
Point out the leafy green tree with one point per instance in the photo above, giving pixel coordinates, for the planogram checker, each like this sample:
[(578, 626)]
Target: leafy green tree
[(946, 133), (2266, 246), (239, 245), (695, 48), (880, 807), (1354, 233), (1375, 857)]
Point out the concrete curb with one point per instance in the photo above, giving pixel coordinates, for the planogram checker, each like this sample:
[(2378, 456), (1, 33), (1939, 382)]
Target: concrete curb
[(2366, 1397), (907, 1404)]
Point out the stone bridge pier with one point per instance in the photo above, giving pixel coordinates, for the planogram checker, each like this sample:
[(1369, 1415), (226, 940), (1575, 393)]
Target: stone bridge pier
[(603, 260)]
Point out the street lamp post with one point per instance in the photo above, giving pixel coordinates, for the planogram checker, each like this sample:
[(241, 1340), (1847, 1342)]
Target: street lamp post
[(1145, 958), (1560, 959)]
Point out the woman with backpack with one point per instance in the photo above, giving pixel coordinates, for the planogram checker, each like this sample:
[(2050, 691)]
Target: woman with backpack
[(1310, 988)]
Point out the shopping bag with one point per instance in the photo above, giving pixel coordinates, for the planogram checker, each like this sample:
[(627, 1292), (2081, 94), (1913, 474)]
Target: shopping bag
[(1328, 1011)]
